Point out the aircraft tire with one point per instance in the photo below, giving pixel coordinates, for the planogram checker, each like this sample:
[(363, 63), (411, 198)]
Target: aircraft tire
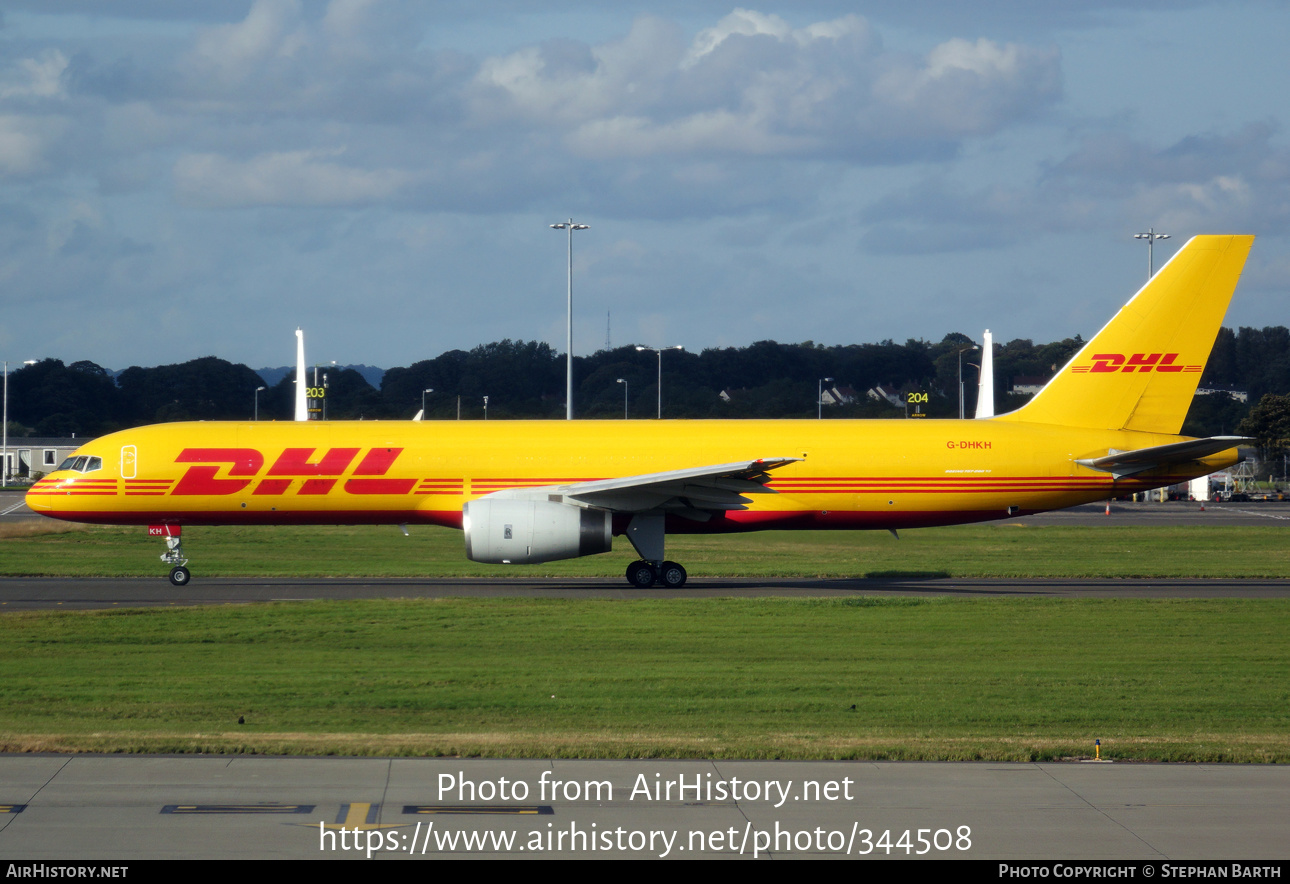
[(641, 575), (672, 575), (180, 576)]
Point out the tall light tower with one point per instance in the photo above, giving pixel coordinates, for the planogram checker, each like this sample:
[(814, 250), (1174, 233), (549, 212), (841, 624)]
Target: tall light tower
[(568, 338), (962, 350), (1151, 236), (819, 397), (659, 351), (4, 456)]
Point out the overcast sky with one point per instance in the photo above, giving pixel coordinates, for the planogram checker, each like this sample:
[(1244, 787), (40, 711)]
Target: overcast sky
[(189, 179)]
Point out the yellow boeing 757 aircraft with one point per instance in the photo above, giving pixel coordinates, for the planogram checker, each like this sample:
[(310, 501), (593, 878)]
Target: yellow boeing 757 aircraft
[(537, 491)]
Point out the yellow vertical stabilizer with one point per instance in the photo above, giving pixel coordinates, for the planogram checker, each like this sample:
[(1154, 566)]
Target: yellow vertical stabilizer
[(1141, 370)]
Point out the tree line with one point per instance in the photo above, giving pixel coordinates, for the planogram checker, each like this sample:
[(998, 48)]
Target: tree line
[(526, 379)]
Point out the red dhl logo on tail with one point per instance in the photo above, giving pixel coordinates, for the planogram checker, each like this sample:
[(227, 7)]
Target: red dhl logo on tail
[(243, 466), (1140, 362)]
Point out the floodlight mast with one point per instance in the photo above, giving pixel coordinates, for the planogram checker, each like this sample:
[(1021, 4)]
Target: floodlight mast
[(963, 350), (4, 452), (568, 339), (1151, 236), (819, 397), (659, 351)]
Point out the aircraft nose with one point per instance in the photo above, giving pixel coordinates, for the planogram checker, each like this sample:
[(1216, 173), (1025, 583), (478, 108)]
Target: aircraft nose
[(40, 497)]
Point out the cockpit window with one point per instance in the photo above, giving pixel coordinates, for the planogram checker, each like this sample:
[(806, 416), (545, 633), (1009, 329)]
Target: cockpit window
[(82, 464)]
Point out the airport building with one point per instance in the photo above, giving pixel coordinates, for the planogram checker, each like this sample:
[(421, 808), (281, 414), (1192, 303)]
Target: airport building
[(27, 456)]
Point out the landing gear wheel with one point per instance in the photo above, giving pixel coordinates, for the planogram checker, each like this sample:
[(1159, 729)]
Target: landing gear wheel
[(641, 575), (174, 554), (672, 575)]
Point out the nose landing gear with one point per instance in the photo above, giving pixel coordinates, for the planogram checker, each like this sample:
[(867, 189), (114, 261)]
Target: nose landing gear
[(174, 554)]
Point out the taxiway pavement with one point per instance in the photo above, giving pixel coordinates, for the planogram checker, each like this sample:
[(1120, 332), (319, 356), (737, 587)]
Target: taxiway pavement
[(109, 808)]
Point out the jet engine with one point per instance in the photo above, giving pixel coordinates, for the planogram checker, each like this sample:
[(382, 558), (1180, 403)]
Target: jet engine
[(508, 531)]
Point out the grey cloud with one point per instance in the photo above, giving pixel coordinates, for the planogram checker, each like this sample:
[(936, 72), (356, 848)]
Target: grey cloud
[(1238, 181), (754, 85), (1116, 157), (288, 105), (941, 216), (289, 178)]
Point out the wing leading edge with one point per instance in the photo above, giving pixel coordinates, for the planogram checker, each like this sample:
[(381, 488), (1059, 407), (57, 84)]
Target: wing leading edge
[(694, 493)]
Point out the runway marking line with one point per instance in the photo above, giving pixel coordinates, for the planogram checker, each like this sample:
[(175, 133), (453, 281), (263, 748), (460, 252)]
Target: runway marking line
[(360, 815), (1254, 513), (238, 808), (479, 809), (12, 808)]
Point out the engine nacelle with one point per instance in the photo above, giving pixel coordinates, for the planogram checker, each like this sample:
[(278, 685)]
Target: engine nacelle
[(504, 531)]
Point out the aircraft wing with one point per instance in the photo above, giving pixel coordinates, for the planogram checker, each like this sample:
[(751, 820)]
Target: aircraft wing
[(694, 493), (1126, 463)]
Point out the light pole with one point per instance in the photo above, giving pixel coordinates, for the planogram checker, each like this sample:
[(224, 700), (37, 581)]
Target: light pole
[(324, 395), (659, 351), (423, 400), (568, 339), (1151, 236), (624, 383), (258, 390), (819, 397), (4, 457), (961, 352), (485, 408)]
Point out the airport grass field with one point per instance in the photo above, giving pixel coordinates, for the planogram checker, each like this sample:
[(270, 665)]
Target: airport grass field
[(56, 549), (860, 677)]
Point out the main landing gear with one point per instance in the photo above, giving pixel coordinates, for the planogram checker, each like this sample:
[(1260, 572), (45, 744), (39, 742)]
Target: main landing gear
[(645, 531), (643, 575)]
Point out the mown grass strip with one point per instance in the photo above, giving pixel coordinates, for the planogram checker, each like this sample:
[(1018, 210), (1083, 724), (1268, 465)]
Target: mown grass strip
[(999, 550), (1200, 680)]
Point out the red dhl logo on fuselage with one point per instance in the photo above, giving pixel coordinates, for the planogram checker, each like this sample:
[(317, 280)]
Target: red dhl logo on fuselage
[(321, 475), (1140, 362)]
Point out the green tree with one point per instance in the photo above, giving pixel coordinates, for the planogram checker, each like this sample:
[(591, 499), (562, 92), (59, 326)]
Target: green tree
[(1269, 423), (59, 400), (1217, 414), (200, 389)]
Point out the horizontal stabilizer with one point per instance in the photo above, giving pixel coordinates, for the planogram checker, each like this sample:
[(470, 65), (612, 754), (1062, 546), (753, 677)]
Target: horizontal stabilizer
[(1127, 463)]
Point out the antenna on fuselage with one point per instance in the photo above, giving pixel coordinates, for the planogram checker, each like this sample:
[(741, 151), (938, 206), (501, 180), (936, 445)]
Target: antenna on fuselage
[(302, 404)]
